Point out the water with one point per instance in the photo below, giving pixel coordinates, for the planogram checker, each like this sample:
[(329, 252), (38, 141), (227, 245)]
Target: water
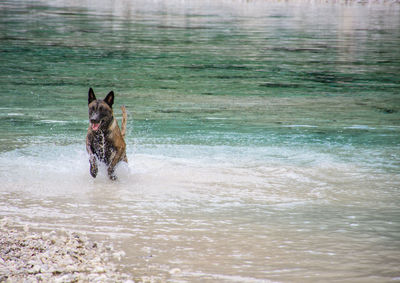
[(263, 137)]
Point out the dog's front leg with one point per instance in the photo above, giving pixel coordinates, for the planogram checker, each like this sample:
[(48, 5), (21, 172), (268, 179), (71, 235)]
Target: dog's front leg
[(93, 166), (111, 173), (115, 157), (92, 158)]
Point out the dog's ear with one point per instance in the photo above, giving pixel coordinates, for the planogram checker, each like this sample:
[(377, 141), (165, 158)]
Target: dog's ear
[(91, 96), (109, 99)]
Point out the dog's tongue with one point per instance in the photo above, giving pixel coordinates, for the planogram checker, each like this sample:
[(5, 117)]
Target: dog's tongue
[(95, 126)]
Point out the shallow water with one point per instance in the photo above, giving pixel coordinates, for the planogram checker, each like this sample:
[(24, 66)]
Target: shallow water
[(263, 137)]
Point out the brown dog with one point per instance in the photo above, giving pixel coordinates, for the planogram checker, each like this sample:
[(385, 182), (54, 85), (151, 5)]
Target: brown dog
[(105, 141)]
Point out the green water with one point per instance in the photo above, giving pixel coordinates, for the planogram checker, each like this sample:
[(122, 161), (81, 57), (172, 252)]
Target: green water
[(247, 70), (274, 124)]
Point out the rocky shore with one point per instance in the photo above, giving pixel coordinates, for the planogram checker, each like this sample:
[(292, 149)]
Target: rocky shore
[(27, 256)]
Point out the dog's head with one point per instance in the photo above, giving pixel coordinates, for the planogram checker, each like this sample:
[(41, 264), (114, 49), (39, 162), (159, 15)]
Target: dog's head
[(100, 111)]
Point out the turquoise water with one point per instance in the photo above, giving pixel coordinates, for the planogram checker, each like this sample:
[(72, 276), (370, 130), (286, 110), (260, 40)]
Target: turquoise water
[(263, 137)]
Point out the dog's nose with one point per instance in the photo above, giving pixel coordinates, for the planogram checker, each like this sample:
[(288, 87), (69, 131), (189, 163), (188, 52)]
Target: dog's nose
[(94, 118)]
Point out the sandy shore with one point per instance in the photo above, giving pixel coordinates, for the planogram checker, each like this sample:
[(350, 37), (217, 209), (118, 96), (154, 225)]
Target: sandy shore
[(27, 256)]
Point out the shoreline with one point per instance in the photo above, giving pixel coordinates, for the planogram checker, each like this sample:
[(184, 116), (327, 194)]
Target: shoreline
[(28, 256)]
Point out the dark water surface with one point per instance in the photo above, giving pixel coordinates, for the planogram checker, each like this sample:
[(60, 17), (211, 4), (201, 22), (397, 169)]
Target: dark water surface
[(263, 136)]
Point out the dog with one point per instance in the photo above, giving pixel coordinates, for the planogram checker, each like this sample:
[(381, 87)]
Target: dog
[(105, 140)]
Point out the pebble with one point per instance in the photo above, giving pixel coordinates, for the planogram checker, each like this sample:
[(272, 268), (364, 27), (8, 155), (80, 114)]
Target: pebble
[(119, 255), (27, 256)]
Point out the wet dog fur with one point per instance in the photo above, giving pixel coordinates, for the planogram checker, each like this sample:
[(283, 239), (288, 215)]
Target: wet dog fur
[(105, 140)]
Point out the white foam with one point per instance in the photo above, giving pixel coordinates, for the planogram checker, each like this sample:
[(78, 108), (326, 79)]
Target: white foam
[(222, 176)]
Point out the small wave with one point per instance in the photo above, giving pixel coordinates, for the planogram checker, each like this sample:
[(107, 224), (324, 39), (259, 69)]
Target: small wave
[(360, 127), (54, 122), (15, 114), (300, 126)]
